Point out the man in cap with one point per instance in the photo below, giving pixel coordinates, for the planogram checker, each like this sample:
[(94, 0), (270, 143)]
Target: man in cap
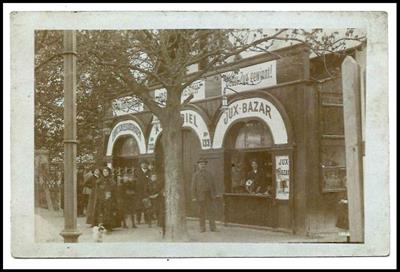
[(204, 193)]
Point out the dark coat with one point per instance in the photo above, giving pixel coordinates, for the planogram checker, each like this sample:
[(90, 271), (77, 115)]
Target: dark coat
[(259, 178), (142, 180), (126, 196), (111, 217), (91, 212), (203, 182)]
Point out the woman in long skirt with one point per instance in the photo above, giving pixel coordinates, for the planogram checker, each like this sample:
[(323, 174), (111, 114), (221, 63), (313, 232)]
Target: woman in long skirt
[(110, 208), (92, 183)]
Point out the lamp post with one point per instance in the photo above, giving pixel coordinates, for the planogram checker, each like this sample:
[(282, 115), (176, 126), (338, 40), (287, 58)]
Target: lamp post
[(70, 232)]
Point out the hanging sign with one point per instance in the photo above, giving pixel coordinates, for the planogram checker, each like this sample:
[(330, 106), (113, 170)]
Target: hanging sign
[(249, 78), (282, 177)]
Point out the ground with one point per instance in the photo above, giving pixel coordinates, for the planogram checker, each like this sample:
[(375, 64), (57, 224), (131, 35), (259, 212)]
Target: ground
[(49, 225)]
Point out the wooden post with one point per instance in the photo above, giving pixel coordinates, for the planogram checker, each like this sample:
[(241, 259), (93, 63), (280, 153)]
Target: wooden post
[(353, 141), (70, 233)]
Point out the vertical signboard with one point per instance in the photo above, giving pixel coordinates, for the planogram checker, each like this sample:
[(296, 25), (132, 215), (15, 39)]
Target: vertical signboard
[(282, 177)]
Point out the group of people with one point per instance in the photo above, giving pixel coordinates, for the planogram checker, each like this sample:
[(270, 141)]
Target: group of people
[(126, 198), (122, 198)]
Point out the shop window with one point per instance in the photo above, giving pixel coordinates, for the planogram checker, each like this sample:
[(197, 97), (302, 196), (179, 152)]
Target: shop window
[(247, 142), (253, 134)]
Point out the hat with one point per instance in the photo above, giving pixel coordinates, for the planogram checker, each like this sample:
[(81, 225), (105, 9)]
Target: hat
[(202, 160)]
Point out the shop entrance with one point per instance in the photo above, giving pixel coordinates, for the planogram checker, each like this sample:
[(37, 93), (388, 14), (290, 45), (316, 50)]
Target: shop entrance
[(248, 141), (125, 153), (191, 152), (249, 194)]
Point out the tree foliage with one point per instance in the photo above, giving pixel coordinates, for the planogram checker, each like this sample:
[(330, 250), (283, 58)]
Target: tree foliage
[(134, 61)]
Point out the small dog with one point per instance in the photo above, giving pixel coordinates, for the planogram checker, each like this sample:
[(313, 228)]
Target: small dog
[(97, 233)]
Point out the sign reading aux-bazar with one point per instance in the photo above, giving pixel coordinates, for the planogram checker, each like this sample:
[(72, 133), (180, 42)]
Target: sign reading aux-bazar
[(250, 78)]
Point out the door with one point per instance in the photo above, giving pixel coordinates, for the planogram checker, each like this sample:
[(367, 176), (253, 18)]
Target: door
[(191, 152)]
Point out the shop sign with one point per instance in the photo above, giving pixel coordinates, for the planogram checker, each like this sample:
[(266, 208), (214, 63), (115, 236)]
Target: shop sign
[(282, 177), (252, 108), (191, 119), (125, 127), (249, 78), (194, 120), (197, 88), (128, 127), (126, 105), (247, 106), (155, 131)]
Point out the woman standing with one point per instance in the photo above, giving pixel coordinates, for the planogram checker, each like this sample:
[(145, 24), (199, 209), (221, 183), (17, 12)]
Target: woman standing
[(108, 201), (129, 197), (92, 207), (121, 197)]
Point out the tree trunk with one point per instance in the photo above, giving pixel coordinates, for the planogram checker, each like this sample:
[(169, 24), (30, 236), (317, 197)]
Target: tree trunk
[(175, 217)]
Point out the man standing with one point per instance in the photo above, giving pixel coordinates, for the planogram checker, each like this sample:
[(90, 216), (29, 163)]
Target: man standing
[(142, 179), (204, 192)]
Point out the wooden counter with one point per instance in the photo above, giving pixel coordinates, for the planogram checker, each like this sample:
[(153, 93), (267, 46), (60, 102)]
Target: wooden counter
[(251, 209)]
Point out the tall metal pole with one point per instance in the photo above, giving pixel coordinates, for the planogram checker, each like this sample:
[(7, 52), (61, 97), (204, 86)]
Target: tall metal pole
[(70, 232)]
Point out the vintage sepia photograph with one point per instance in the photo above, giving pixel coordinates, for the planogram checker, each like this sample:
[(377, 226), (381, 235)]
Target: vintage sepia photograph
[(201, 135), (166, 129)]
